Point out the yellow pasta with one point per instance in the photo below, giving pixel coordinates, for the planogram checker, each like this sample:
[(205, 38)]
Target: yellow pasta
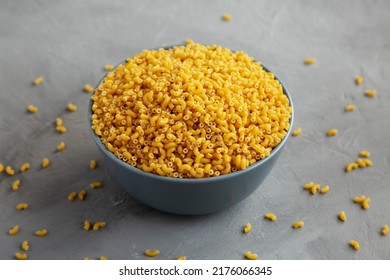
[(331, 132), (103, 258), (298, 224), (251, 256), (358, 80), (45, 163), (93, 164), (1, 167), (350, 166), (87, 225), (24, 167), (370, 93), (385, 229), (247, 228), (226, 17), (152, 253), (59, 122), (38, 80), (367, 162), (364, 153), (350, 108), (61, 146), (324, 189), (99, 225), (95, 185), (61, 129), (71, 107), (82, 194), (181, 258), (309, 60), (308, 186), (22, 206), (20, 256), (108, 67), (25, 246), (32, 108), (297, 131), (41, 232), (88, 88), (342, 216), (359, 199), (360, 162), (270, 216), (366, 203), (315, 188), (14, 230), (72, 196), (15, 185), (354, 244)]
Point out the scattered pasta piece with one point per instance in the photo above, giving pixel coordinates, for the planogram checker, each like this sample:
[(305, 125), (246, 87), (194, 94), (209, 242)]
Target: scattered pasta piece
[(270, 216), (350, 166), (59, 122), (71, 107), (88, 88), (331, 132), (247, 228), (370, 93), (350, 108), (15, 185), (324, 190), (359, 199), (14, 230), (366, 203), (358, 80), (82, 194), (354, 244), (367, 162), (342, 216), (87, 259), (188, 41), (92, 164), (1, 167), (45, 163), (72, 196), (41, 232), (103, 258), (25, 246), (9, 171), (61, 129), (298, 224), (38, 80), (308, 186), (152, 253), (364, 153), (87, 225), (108, 67), (32, 109), (181, 258), (227, 17), (61, 146), (95, 185), (22, 206), (315, 188), (20, 256), (25, 166), (360, 162), (309, 60), (297, 131), (251, 256), (385, 230), (99, 225)]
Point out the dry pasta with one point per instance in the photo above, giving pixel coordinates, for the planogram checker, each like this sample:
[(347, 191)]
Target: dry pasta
[(98, 225), (152, 253), (298, 224), (71, 107), (32, 108), (385, 229), (366, 203), (20, 256), (72, 196), (82, 194), (15, 185), (247, 228), (93, 164), (61, 146), (45, 163), (22, 206), (1, 167), (103, 258), (324, 189), (38, 80), (297, 131), (364, 153), (14, 230), (9, 171), (41, 232), (309, 60), (95, 185), (172, 112), (251, 256), (108, 67), (358, 80), (370, 93), (359, 199), (24, 167), (226, 17), (25, 246), (88, 88), (342, 216), (354, 244), (350, 166), (350, 108), (270, 216), (331, 132), (87, 225), (181, 258)]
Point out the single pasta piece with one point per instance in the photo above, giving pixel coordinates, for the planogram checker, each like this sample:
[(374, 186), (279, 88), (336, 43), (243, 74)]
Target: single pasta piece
[(32, 108), (103, 258), (251, 256), (45, 163), (1, 167), (270, 216), (71, 107), (188, 41), (152, 253), (93, 164), (350, 108), (358, 80), (308, 186), (88, 88), (25, 166), (315, 188), (331, 132), (367, 162), (41, 232), (96, 185), (99, 225), (354, 244), (226, 17), (298, 224), (15, 185), (25, 246), (360, 162), (324, 190), (370, 93), (87, 225), (61, 146), (9, 171), (247, 228), (59, 122), (61, 129), (108, 67), (359, 199), (181, 258), (350, 166), (38, 80), (342, 216), (14, 230), (297, 131), (22, 206), (385, 229), (364, 153), (309, 60), (20, 256), (366, 203), (82, 194), (72, 196), (87, 259)]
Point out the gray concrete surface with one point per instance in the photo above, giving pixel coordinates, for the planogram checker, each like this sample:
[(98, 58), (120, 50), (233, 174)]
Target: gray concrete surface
[(68, 43)]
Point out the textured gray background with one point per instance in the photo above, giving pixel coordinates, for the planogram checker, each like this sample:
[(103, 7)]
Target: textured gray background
[(68, 42)]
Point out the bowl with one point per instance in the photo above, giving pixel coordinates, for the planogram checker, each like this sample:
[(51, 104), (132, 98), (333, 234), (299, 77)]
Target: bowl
[(191, 196)]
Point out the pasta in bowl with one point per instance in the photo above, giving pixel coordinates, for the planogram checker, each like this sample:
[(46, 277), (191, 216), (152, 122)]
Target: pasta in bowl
[(190, 129)]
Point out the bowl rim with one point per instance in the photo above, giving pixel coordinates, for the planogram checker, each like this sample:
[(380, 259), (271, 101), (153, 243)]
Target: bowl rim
[(223, 177)]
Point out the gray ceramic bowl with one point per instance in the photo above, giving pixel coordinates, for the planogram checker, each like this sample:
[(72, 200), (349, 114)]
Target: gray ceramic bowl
[(190, 196)]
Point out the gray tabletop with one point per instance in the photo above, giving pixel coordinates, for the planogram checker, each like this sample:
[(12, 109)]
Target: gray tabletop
[(69, 42)]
